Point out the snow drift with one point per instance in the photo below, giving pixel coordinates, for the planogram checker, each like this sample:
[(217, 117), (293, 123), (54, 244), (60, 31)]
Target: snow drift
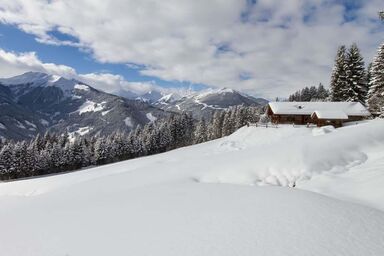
[(197, 200)]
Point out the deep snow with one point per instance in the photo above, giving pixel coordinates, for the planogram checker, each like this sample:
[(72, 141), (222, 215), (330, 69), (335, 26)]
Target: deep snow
[(205, 199)]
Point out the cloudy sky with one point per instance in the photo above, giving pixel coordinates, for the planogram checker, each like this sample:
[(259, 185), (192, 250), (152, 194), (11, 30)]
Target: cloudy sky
[(266, 48)]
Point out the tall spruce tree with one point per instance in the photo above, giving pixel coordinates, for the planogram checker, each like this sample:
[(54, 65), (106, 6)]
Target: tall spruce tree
[(369, 74), (322, 93), (376, 85), (339, 77), (356, 89)]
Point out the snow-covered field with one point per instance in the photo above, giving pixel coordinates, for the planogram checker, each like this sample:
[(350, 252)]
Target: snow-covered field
[(212, 199)]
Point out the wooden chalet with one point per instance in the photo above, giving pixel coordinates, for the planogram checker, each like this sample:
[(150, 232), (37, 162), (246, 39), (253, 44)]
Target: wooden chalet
[(319, 113)]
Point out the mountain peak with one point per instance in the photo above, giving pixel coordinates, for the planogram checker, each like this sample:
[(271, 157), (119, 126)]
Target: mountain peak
[(26, 78), (27, 82)]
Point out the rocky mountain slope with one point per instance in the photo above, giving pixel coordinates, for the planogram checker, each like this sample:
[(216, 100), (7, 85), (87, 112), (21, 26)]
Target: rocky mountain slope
[(35, 102)]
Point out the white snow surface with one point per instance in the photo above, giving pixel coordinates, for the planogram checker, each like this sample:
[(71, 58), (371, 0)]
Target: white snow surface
[(307, 108), (2, 126), (204, 199), (105, 112), (20, 125), (30, 124), (151, 117), (168, 98), (90, 106), (82, 87), (79, 132), (210, 91), (37, 79), (44, 122), (128, 122), (331, 114)]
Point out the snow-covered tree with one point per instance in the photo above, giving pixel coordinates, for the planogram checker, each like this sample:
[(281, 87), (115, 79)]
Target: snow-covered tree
[(101, 151), (339, 76), (228, 123), (376, 85), (310, 94), (357, 87), (322, 93), (201, 133), (6, 160)]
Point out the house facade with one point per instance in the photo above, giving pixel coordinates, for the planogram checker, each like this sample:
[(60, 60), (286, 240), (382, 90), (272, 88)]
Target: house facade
[(319, 113)]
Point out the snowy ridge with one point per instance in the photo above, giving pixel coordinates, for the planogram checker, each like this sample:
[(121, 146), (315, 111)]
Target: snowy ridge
[(35, 78)]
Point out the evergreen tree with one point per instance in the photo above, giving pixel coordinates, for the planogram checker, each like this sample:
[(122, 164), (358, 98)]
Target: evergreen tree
[(312, 91), (322, 93), (376, 85), (6, 160), (200, 134), (101, 151), (228, 125), (369, 74), (339, 81), (357, 88)]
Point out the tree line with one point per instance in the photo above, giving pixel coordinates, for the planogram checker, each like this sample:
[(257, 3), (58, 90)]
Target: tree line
[(312, 93), (53, 153)]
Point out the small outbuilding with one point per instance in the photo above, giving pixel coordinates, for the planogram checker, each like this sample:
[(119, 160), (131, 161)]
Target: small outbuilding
[(319, 113)]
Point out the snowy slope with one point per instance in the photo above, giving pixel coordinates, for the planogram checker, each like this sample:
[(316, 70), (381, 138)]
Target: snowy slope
[(198, 200)]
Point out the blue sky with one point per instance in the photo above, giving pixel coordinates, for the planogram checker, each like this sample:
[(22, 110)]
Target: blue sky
[(15, 40), (266, 47)]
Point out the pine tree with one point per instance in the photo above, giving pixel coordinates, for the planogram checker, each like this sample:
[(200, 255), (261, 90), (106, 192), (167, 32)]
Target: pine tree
[(6, 160), (306, 94), (312, 93), (376, 85), (240, 119), (322, 93), (200, 133), (339, 77), (227, 125), (357, 88)]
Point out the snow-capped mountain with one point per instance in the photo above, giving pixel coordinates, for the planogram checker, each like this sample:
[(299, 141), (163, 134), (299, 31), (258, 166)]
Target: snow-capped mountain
[(150, 96), (203, 104), (35, 102)]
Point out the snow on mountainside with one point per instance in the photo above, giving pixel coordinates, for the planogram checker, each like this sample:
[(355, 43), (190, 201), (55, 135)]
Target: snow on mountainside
[(26, 82), (54, 103), (212, 199), (204, 103)]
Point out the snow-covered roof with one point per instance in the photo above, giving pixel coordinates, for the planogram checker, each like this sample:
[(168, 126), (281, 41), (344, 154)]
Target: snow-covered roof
[(331, 114), (307, 108)]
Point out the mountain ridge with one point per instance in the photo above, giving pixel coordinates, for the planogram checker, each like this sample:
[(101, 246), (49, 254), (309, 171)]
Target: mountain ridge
[(36, 102)]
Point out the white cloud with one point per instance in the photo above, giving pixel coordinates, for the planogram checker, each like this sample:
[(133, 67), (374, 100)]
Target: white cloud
[(117, 84), (17, 63), (281, 46)]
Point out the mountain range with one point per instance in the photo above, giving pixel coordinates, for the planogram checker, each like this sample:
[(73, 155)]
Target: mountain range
[(204, 104), (36, 102)]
